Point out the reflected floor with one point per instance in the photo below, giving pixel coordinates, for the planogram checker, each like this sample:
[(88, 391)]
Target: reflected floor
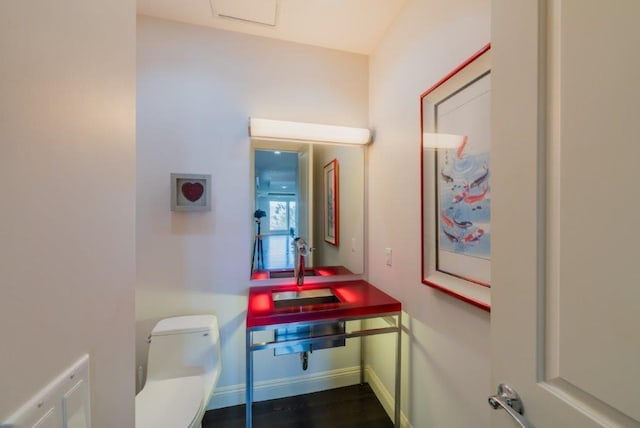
[(277, 253)]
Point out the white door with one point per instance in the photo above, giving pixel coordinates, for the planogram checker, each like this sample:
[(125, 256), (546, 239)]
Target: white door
[(565, 321)]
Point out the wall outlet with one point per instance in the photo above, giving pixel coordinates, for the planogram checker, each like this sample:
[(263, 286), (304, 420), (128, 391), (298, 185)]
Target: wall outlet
[(387, 256)]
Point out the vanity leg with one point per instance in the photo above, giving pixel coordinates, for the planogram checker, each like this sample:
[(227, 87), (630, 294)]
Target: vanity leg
[(398, 371), (362, 352), (249, 380)]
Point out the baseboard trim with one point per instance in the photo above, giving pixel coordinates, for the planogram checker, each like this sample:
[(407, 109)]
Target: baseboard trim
[(233, 395), (384, 396)]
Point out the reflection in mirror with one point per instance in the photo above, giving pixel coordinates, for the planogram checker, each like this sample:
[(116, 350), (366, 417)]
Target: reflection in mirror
[(288, 203)]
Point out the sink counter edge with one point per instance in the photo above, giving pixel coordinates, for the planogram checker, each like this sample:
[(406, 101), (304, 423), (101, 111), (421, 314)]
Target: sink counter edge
[(358, 299)]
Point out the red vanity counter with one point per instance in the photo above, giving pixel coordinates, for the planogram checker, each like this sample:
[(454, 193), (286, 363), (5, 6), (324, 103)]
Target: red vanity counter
[(358, 299)]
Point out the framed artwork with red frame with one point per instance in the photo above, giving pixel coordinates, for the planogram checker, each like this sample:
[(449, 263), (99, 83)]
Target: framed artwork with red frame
[(455, 181), (330, 203)]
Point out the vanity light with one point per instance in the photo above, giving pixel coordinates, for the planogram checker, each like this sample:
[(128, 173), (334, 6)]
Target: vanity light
[(267, 129), (434, 140)]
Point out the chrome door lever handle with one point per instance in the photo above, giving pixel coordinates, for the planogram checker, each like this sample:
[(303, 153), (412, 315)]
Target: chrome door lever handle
[(509, 400)]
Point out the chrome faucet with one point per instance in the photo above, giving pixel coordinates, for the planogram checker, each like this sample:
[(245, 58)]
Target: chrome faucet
[(301, 251)]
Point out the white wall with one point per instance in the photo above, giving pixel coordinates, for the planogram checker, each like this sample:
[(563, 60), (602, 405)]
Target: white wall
[(67, 168), (197, 87), (446, 365)]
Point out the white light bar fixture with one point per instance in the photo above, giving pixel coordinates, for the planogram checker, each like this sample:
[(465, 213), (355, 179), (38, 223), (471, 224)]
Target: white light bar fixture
[(266, 129), (433, 140)]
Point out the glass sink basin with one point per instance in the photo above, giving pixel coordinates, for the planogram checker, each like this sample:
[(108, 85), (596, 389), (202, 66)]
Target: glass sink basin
[(284, 299)]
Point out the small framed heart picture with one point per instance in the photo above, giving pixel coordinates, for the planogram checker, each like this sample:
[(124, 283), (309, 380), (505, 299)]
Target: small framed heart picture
[(190, 192)]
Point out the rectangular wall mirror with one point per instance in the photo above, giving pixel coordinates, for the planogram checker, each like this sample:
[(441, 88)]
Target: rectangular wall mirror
[(289, 201)]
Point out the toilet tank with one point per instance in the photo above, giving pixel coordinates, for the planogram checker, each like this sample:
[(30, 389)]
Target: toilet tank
[(184, 346)]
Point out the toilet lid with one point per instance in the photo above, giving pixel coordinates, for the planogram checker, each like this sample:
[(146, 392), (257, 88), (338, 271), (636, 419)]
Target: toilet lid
[(170, 403), (184, 324)]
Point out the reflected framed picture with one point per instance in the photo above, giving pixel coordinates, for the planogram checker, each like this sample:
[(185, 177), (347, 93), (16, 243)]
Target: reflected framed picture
[(456, 188), (331, 220), (190, 192)]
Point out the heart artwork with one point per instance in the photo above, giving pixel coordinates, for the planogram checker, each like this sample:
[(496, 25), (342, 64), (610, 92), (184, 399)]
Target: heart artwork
[(192, 191)]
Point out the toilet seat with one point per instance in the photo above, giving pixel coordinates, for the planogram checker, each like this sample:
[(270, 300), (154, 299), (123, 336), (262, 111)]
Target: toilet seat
[(184, 324), (170, 403)]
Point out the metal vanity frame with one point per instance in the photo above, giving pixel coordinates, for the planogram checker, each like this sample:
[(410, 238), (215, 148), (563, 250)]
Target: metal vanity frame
[(393, 319)]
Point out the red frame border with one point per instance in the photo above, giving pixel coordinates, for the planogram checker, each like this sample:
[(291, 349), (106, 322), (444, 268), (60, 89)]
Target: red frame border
[(437, 286), (336, 199)]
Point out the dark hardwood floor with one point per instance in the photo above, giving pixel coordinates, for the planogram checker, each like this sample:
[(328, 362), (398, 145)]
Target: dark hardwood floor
[(349, 407)]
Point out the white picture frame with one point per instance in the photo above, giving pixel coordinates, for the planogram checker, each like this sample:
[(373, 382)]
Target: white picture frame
[(190, 192)]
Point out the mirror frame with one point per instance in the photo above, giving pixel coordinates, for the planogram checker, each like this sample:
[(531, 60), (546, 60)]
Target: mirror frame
[(472, 291)]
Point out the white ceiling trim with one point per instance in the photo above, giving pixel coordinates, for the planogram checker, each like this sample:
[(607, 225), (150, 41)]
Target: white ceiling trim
[(256, 11), (348, 25)]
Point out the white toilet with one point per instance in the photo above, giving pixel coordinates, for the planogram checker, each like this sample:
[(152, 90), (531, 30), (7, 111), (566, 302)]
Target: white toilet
[(182, 372)]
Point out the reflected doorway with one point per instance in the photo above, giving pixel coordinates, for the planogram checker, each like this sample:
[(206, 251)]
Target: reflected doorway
[(278, 194)]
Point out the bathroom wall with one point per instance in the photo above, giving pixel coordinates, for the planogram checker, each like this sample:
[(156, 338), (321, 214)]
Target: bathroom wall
[(446, 353), (196, 88), (67, 168)]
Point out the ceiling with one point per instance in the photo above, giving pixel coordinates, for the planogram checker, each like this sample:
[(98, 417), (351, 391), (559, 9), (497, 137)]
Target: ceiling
[(276, 172), (348, 25)]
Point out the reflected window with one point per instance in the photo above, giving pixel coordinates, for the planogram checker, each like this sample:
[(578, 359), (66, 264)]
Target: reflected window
[(282, 215)]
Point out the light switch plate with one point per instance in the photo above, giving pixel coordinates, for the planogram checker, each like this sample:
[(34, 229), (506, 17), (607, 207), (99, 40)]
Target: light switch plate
[(387, 256)]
